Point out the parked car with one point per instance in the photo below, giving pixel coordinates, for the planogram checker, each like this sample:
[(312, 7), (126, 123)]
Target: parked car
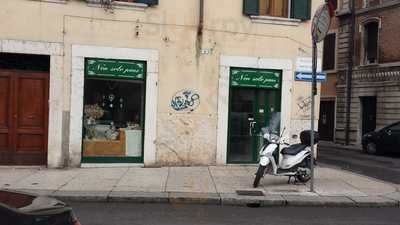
[(382, 141), (17, 208)]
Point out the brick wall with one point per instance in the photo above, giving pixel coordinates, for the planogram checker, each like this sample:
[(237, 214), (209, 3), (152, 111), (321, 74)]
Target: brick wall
[(389, 34)]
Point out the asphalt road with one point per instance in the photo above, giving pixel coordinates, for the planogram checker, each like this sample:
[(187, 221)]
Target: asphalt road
[(385, 168), (166, 214)]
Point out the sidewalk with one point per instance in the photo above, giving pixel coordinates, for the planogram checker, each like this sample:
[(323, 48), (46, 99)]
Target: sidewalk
[(207, 185)]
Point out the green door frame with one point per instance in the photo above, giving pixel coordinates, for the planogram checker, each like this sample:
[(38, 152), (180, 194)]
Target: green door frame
[(277, 105), (126, 159)]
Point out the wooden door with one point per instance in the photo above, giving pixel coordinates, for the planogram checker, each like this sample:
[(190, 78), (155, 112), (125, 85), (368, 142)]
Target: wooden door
[(326, 123), (368, 114), (23, 117)]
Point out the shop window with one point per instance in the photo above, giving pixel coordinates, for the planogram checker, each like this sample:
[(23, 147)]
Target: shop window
[(296, 9), (371, 32), (114, 97), (329, 52)]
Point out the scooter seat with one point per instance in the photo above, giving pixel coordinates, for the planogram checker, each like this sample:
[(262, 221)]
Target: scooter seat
[(293, 149)]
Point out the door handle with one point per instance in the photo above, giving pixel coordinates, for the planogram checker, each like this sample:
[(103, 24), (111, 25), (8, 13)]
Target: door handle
[(252, 124)]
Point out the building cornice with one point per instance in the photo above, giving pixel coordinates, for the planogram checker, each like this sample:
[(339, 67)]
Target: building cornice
[(382, 6)]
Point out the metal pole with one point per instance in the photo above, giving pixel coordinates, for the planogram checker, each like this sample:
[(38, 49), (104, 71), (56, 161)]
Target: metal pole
[(313, 93)]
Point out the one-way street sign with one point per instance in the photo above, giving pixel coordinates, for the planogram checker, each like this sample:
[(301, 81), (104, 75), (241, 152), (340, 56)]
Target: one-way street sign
[(307, 76)]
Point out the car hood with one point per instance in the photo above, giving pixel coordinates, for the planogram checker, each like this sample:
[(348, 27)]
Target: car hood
[(42, 204)]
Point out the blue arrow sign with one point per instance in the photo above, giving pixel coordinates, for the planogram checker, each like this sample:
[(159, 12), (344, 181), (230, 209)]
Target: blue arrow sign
[(307, 76)]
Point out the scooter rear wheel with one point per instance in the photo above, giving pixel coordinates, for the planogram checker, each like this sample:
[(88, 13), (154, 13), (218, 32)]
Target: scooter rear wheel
[(259, 175)]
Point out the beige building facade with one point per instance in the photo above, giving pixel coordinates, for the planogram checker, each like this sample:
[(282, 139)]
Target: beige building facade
[(183, 55)]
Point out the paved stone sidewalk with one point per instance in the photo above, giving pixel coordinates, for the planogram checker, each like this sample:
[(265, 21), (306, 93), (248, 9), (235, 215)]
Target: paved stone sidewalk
[(209, 185)]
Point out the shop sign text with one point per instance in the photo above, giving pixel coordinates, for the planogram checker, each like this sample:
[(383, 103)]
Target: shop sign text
[(126, 69), (257, 78)]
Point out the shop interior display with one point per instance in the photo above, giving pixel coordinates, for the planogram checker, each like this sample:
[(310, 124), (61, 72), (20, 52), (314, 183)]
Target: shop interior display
[(112, 118)]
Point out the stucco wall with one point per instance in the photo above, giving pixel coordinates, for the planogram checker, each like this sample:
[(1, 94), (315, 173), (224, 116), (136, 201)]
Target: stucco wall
[(171, 29)]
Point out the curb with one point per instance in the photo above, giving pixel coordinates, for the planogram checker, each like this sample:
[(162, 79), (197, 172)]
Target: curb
[(223, 199), (232, 199)]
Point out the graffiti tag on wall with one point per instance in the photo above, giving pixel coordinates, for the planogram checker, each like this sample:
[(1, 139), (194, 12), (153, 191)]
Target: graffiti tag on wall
[(304, 104), (186, 100)]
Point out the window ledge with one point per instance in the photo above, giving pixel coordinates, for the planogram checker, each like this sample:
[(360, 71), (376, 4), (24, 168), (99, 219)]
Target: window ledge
[(275, 20), (120, 5), (369, 65), (52, 1), (377, 7)]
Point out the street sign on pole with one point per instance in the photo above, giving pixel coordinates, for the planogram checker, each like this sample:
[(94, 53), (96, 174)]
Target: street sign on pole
[(320, 27), (307, 76)]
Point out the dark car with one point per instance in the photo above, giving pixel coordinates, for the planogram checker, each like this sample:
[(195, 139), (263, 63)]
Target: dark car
[(385, 140), (17, 208)]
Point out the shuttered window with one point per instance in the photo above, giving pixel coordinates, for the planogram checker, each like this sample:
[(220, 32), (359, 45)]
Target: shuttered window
[(299, 9)]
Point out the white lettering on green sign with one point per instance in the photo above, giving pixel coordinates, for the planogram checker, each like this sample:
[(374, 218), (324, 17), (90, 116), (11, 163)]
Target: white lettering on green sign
[(126, 69), (257, 78)]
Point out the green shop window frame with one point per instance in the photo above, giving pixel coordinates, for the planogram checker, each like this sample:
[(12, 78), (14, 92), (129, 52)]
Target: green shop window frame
[(125, 159), (250, 86)]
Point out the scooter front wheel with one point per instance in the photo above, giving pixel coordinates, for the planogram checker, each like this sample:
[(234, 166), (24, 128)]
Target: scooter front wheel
[(259, 175)]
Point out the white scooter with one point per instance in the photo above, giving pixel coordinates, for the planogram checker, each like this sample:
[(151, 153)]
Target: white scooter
[(296, 161)]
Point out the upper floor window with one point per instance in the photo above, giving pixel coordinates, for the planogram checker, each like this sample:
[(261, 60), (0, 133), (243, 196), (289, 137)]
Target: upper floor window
[(369, 3), (148, 2), (296, 9), (371, 34), (278, 8), (329, 53)]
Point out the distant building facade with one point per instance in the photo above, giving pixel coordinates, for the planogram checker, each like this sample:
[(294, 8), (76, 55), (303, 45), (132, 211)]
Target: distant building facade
[(148, 82), (367, 67)]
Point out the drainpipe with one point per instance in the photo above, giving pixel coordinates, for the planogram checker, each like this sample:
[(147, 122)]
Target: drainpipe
[(199, 39), (201, 19), (350, 70)]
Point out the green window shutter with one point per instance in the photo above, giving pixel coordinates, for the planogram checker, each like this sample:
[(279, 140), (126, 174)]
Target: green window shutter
[(251, 7), (148, 2), (300, 9)]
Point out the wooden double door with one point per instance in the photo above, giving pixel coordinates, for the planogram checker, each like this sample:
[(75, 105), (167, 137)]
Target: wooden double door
[(23, 117)]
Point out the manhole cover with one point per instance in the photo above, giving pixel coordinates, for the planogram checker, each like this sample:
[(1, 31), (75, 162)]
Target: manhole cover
[(250, 192)]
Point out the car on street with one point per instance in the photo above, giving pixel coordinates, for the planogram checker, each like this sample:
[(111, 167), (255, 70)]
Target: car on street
[(385, 140), (18, 208)]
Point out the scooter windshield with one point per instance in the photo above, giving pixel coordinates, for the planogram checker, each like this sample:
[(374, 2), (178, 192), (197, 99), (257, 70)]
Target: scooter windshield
[(273, 125)]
